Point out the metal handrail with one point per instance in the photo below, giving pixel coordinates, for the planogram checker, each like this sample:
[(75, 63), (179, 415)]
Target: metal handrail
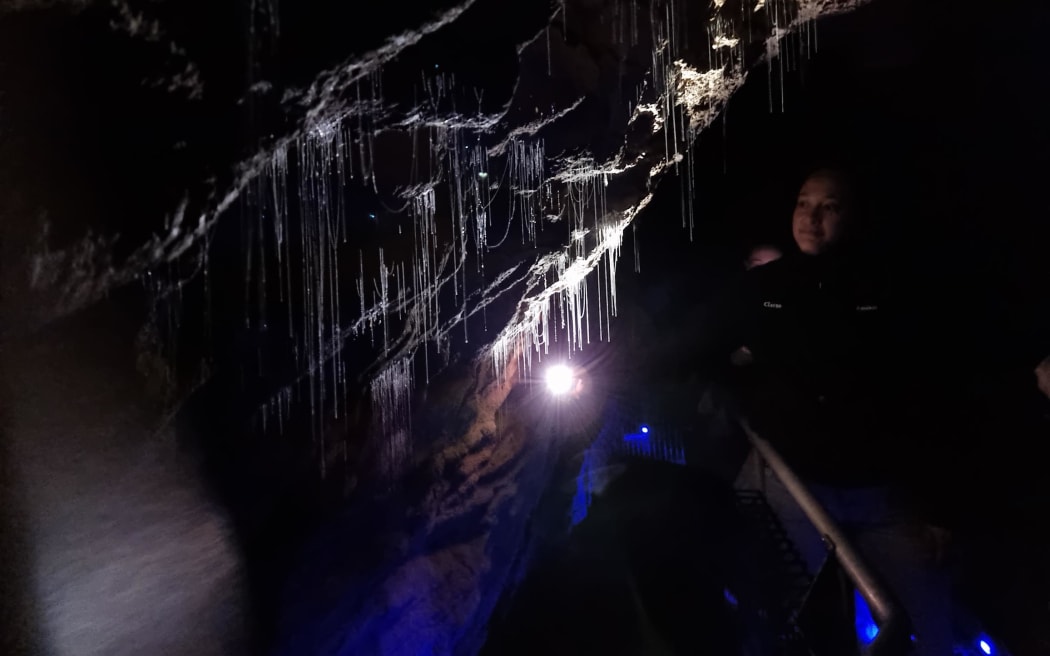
[(894, 637)]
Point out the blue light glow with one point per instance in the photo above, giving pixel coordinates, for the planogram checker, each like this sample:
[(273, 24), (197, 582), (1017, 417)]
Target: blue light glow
[(639, 444), (730, 597), (863, 621), (584, 488), (645, 429), (580, 501), (986, 645)]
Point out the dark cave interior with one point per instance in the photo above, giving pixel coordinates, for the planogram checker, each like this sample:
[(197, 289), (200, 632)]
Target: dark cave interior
[(107, 130)]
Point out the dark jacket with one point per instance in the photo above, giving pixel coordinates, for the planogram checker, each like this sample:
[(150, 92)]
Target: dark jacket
[(833, 382)]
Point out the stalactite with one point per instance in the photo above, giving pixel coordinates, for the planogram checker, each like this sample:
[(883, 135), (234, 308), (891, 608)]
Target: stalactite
[(298, 222)]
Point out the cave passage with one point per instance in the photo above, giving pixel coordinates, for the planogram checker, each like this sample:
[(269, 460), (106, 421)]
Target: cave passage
[(325, 331)]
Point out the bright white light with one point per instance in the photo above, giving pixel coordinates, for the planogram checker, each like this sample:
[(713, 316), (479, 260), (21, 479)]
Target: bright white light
[(985, 647), (560, 379), (645, 429)]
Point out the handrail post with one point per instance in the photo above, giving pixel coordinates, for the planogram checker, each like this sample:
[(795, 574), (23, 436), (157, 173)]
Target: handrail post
[(894, 635)]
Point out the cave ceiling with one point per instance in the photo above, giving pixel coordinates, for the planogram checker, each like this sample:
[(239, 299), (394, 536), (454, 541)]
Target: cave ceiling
[(357, 200)]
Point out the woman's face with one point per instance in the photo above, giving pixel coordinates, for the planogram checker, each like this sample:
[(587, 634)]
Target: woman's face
[(820, 216)]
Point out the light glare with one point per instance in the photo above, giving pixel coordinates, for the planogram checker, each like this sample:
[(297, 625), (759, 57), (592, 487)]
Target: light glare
[(560, 379)]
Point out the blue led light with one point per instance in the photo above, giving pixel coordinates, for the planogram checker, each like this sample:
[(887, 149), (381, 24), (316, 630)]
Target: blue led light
[(986, 646), (639, 443), (863, 621), (645, 429)]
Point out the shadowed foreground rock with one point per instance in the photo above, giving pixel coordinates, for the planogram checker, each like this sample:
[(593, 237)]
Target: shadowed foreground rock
[(644, 573)]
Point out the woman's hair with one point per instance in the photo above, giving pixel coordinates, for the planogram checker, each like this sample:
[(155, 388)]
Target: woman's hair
[(847, 181)]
